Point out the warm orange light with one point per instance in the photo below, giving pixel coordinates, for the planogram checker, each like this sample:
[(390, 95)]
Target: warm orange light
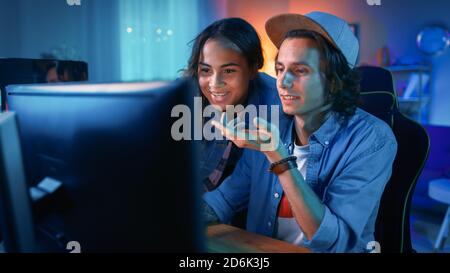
[(256, 12), (270, 51)]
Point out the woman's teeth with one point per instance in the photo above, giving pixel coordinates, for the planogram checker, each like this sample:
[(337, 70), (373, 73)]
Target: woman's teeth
[(289, 97), (219, 94)]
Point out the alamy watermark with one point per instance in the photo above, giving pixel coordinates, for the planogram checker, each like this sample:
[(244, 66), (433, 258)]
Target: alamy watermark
[(373, 247), (233, 120), (73, 2), (74, 247), (373, 2)]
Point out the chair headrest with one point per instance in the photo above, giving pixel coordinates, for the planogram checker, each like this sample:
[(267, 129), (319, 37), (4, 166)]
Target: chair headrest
[(375, 78)]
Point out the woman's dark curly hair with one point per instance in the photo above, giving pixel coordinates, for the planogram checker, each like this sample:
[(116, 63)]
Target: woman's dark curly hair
[(341, 81), (235, 30)]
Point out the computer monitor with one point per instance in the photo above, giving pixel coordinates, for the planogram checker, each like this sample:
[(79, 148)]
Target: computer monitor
[(22, 71), (126, 184), (15, 208)]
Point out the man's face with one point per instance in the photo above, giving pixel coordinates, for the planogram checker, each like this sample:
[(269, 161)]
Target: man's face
[(223, 74), (299, 78)]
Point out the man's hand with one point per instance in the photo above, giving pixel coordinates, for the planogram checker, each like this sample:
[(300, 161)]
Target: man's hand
[(266, 138)]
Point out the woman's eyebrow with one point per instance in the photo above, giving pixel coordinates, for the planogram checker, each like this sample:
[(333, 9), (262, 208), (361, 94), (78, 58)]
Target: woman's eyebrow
[(204, 64), (224, 65), (229, 64)]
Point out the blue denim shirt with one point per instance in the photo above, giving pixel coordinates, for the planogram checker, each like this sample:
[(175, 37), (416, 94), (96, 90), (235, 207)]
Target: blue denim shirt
[(348, 167), (262, 91)]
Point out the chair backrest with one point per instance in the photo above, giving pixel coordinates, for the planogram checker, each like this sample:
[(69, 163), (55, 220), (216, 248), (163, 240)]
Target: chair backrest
[(379, 98)]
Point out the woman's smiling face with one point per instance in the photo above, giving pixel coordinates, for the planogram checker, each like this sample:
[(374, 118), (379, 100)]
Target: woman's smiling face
[(223, 73)]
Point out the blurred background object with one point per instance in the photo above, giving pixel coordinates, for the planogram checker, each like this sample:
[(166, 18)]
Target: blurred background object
[(433, 40), (20, 70)]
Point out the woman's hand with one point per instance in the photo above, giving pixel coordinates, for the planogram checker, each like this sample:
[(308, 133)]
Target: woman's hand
[(266, 137)]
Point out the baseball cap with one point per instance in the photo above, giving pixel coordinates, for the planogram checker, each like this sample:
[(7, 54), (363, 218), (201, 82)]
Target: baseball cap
[(334, 29)]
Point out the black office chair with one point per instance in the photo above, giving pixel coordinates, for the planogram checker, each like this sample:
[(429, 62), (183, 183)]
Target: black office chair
[(379, 98)]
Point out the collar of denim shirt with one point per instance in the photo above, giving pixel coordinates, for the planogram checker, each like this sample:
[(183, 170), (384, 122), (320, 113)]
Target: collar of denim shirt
[(324, 135)]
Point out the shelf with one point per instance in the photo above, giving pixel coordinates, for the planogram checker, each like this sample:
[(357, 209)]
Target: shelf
[(423, 99), (412, 81), (406, 68)]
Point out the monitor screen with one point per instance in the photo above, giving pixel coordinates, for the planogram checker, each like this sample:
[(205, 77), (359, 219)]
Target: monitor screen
[(126, 185)]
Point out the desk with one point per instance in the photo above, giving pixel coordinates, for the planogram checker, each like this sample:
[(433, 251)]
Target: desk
[(229, 239)]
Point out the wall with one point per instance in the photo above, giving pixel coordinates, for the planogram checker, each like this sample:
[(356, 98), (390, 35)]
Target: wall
[(29, 29), (47, 24), (83, 32), (9, 28)]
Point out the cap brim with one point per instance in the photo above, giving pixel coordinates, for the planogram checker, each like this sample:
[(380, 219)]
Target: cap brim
[(278, 26)]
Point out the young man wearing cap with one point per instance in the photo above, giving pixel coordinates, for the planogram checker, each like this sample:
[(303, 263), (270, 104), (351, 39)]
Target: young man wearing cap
[(330, 165)]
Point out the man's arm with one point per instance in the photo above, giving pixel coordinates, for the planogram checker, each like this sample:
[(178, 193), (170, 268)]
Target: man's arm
[(306, 207), (337, 224)]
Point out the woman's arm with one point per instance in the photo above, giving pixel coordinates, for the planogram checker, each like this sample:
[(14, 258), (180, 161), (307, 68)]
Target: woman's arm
[(209, 214)]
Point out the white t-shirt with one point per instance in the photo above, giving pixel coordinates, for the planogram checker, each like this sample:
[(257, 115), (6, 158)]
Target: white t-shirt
[(288, 229)]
